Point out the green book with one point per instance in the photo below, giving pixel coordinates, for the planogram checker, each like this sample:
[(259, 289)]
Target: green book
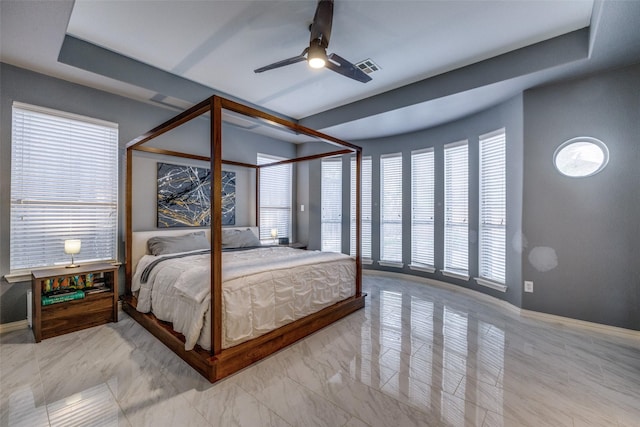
[(53, 299)]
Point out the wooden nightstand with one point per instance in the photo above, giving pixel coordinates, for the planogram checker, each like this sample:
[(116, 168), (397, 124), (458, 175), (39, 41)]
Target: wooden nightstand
[(99, 305)]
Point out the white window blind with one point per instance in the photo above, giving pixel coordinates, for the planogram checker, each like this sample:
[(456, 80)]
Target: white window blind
[(275, 197), (422, 207), (391, 209), (456, 192), (493, 206), (64, 185), (331, 205), (365, 207)]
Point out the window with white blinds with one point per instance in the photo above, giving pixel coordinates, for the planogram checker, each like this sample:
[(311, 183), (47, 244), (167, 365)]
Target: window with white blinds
[(422, 208), (275, 197), (331, 205), (493, 207), (365, 207), (391, 208), (64, 185), (456, 209)]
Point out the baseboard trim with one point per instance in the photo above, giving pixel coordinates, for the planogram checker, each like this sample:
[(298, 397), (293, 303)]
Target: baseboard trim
[(583, 324), (521, 312), (13, 326)]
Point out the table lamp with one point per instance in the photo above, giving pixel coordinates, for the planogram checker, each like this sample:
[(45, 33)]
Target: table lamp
[(72, 247)]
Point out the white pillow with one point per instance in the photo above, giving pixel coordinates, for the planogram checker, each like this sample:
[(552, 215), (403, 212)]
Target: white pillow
[(234, 238), (174, 244)]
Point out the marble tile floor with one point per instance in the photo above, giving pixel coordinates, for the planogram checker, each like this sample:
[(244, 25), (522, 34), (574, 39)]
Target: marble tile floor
[(415, 356)]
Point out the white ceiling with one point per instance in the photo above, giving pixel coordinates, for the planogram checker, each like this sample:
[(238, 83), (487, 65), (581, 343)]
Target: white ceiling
[(218, 44)]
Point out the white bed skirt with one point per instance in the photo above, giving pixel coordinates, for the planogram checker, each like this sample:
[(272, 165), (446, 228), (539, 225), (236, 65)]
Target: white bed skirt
[(263, 289)]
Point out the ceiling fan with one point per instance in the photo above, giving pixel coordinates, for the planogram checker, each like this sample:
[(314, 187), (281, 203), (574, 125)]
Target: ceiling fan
[(316, 53)]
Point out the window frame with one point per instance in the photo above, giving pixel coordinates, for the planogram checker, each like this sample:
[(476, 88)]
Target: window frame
[(492, 210), (265, 229), (386, 187), (581, 140), (89, 191), (331, 204), (423, 204), (365, 208), (451, 266)]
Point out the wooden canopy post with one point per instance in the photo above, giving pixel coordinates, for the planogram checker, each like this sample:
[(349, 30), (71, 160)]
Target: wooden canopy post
[(359, 223), (128, 268), (258, 198), (216, 226)]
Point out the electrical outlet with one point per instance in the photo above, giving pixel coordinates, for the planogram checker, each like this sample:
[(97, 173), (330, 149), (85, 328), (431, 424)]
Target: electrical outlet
[(528, 286), (301, 208)]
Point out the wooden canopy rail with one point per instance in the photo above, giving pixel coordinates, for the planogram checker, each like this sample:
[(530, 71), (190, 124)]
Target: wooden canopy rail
[(219, 362)]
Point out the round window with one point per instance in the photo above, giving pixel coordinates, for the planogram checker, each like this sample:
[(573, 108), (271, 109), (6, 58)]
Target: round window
[(579, 157)]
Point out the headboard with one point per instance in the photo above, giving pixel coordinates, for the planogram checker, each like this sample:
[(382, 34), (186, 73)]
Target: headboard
[(139, 239)]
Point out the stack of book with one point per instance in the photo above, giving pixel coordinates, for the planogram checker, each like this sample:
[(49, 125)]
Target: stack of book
[(61, 297), (95, 290)]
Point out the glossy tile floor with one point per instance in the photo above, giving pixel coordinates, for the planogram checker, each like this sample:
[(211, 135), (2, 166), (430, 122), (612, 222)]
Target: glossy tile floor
[(416, 356)]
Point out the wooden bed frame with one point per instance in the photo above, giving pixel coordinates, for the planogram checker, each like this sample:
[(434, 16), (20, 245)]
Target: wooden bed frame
[(218, 362)]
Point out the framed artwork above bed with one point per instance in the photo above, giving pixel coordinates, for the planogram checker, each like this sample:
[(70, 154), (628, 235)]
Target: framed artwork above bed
[(184, 196)]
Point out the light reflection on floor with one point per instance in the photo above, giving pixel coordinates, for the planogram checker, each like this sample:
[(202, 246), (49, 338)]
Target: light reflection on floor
[(416, 355)]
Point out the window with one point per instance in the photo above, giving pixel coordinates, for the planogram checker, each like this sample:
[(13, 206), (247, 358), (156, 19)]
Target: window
[(581, 157), (422, 208), (391, 208), (275, 197), (64, 185), (456, 223), (331, 205), (365, 207), (493, 207)]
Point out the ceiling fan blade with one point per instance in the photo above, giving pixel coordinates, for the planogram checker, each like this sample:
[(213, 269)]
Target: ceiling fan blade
[(322, 20), (284, 62), (342, 66)]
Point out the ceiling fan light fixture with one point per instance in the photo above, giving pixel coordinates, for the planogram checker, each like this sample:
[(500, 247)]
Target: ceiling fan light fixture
[(317, 62), (317, 57)]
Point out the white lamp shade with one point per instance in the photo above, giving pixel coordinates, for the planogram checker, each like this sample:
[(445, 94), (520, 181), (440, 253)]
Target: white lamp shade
[(274, 232), (72, 246)]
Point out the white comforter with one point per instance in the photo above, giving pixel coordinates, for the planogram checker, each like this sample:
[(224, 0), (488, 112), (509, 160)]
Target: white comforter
[(263, 289)]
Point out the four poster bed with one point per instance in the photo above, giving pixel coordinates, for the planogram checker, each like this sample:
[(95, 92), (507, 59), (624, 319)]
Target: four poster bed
[(221, 312)]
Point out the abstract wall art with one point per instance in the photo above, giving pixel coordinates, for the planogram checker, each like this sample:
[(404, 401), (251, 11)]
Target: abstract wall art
[(228, 198), (184, 196)]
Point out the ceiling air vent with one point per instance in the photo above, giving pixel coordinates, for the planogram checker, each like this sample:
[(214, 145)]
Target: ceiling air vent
[(368, 66)]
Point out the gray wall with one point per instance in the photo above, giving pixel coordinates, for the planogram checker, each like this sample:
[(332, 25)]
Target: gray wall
[(589, 225), (238, 145), (508, 115), (309, 193), (592, 224), (145, 190), (134, 118), (16, 84)]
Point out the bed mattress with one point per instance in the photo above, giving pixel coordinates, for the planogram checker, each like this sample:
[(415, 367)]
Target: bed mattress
[(263, 289)]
